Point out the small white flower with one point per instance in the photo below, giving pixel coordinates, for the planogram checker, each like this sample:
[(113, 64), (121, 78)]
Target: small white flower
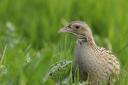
[(28, 58), (3, 70), (10, 26)]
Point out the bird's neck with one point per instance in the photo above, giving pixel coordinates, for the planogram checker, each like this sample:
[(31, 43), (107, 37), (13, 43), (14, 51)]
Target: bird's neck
[(86, 40)]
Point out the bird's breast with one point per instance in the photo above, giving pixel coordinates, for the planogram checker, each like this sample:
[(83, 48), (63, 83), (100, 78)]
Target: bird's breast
[(87, 61), (85, 57)]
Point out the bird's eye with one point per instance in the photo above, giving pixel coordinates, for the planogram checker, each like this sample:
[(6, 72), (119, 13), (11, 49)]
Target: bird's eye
[(77, 27)]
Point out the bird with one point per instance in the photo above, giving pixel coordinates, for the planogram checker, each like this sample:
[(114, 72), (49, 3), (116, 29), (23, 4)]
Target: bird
[(96, 64)]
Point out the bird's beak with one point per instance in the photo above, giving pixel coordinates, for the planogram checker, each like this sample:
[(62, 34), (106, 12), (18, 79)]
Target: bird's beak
[(65, 29)]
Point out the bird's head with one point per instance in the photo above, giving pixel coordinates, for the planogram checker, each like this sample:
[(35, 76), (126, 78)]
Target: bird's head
[(79, 28)]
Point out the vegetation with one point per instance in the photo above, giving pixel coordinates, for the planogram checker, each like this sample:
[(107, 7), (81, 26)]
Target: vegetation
[(30, 43)]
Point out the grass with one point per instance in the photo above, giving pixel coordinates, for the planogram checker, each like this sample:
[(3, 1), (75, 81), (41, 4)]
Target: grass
[(30, 44)]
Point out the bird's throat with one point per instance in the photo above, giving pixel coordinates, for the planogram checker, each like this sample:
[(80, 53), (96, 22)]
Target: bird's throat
[(86, 40)]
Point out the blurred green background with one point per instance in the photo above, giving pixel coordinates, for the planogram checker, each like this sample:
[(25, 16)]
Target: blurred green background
[(30, 42)]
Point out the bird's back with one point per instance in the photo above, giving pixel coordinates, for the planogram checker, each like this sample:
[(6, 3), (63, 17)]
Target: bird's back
[(111, 62)]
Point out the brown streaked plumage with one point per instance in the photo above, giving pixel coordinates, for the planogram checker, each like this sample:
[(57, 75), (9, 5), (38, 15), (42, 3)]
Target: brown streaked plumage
[(95, 64)]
